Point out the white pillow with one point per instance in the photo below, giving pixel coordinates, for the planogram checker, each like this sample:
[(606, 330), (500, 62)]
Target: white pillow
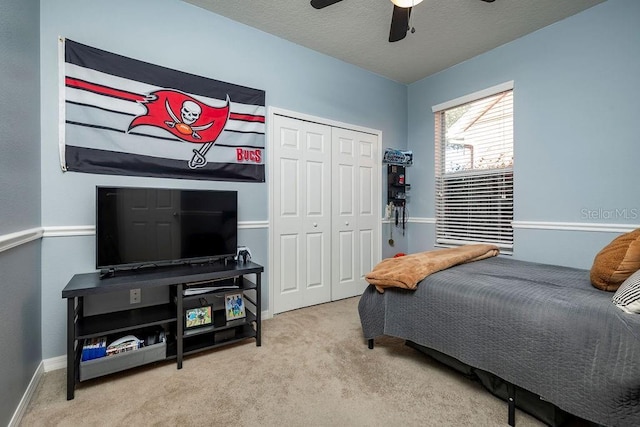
[(627, 297)]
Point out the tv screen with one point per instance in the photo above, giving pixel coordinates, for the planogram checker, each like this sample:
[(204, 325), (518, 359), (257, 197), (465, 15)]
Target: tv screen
[(144, 227)]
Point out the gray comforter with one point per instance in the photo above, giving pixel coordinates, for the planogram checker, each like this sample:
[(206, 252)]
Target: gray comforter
[(541, 327)]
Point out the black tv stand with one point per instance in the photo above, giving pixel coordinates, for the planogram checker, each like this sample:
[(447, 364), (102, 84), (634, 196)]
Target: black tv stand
[(110, 272), (107, 273), (213, 261), (217, 278)]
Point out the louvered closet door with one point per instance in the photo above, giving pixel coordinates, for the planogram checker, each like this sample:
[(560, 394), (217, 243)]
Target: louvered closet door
[(302, 213), (355, 211)]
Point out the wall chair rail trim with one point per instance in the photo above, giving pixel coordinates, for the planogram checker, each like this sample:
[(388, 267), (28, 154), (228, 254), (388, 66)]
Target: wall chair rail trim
[(11, 240), (69, 230), (576, 226), (548, 225), (245, 225)]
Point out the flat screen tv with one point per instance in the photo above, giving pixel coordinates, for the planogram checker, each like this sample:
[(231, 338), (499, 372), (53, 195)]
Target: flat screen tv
[(148, 227)]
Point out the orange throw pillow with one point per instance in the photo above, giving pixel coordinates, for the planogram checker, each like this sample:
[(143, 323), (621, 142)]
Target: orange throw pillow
[(616, 261)]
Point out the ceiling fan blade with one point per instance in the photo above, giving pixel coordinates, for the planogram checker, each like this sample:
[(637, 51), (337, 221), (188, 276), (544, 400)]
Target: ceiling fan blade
[(399, 23), (319, 4)]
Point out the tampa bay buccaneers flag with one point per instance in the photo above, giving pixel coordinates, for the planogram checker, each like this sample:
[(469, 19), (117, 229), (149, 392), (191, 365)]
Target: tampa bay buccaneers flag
[(123, 116)]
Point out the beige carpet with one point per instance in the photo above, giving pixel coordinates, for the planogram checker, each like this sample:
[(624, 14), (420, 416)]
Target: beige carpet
[(313, 369)]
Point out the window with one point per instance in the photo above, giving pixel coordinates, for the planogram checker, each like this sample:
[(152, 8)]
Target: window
[(474, 169)]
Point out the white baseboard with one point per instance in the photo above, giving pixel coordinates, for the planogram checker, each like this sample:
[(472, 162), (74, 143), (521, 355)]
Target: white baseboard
[(55, 363), (26, 397)]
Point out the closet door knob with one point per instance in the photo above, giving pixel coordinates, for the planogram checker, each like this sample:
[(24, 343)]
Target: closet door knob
[(346, 223), (315, 224)]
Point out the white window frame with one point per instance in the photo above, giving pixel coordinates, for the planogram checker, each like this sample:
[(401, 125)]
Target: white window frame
[(447, 234)]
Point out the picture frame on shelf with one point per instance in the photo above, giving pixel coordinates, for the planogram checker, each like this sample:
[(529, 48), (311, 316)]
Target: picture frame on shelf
[(234, 306), (198, 317)]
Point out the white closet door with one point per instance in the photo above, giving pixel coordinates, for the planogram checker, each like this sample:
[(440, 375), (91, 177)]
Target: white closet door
[(301, 213), (355, 211)]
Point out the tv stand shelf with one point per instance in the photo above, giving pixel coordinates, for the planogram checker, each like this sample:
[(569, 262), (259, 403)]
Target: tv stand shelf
[(220, 324), (95, 326), (215, 279)]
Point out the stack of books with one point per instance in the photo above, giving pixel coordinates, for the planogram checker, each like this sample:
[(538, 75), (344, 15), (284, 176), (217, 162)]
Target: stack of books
[(94, 348)]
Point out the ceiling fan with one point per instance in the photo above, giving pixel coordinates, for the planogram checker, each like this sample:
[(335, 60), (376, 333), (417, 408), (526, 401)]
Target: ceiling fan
[(399, 18)]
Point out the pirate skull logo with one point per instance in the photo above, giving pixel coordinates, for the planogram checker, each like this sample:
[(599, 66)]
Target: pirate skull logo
[(190, 112)]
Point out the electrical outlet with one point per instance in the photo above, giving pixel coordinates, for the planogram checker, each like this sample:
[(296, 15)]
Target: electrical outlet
[(134, 296)]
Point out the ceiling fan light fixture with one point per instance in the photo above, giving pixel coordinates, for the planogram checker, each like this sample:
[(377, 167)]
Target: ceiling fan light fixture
[(406, 3)]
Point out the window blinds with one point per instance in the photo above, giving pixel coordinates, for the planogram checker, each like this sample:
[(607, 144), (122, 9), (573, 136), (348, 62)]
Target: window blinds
[(474, 172)]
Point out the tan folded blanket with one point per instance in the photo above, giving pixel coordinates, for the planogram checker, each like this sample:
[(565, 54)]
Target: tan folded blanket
[(406, 271)]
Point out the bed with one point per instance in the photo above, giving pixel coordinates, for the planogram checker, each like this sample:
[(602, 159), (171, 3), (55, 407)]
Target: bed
[(542, 328)]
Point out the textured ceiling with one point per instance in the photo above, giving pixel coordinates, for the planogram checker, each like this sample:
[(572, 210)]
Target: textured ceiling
[(447, 32)]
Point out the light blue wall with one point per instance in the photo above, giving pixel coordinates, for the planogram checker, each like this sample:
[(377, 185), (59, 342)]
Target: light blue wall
[(181, 36), (19, 106), (20, 335), (575, 147), (576, 89), (206, 44)]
